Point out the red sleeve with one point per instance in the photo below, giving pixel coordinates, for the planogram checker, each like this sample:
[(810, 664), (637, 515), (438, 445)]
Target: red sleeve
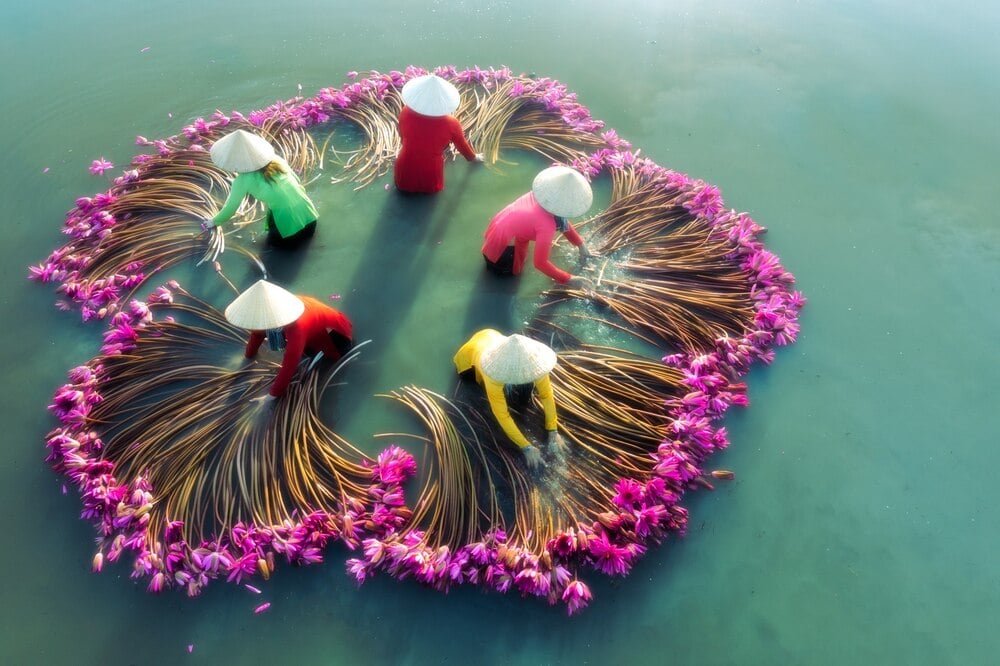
[(253, 344), (338, 322), (572, 236), (295, 345), (543, 243), (318, 316), (458, 138)]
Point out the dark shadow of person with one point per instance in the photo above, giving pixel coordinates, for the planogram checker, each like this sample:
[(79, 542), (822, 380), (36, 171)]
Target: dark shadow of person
[(383, 289), (492, 304), (284, 263)]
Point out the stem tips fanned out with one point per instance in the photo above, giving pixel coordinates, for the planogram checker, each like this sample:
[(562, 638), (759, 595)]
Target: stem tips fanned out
[(175, 468)]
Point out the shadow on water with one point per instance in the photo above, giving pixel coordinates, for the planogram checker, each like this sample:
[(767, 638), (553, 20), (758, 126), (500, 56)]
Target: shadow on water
[(284, 263), (386, 285), (493, 303), (388, 276), (387, 281)]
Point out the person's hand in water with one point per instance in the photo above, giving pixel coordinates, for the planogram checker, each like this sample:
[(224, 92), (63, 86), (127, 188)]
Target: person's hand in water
[(580, 282), (532, 456), (558, 451), (266, 400), (585, 252), (479, 158), (556, 441)]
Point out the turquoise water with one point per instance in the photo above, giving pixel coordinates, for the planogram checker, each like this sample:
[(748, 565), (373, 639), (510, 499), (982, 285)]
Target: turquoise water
[(861, 525)]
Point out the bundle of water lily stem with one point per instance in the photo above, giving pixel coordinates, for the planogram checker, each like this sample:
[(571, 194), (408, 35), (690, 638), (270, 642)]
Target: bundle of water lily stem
[(177, 464)]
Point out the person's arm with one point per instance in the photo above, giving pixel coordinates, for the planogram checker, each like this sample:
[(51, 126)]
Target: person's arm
[(498, 405), (543, 244), (237, 192), (295, 345), (253, 344), (574, 238), (458, 138), (544, 388)]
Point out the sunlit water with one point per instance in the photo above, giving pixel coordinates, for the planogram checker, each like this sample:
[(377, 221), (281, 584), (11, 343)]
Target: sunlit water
[(861, 525)]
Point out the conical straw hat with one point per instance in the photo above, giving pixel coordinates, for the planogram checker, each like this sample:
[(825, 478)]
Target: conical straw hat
[(517, 360), (264, 306), (430, 95), (562, 191), (242, 152)]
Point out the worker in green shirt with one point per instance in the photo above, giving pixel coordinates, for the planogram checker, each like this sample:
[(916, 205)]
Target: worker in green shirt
[(291, 215)]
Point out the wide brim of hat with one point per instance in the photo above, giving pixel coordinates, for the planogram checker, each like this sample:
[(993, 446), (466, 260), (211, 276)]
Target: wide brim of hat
[(430, 95), (517, 360), (562, 191), (263, 306), (242, 151)]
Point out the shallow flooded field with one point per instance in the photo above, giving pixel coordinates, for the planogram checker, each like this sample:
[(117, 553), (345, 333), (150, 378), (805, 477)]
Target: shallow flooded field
[(860, 524)]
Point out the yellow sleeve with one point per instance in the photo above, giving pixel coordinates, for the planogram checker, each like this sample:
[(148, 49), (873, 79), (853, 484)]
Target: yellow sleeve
[(468, 354), (463, 358), (544, 388), (498, 404)]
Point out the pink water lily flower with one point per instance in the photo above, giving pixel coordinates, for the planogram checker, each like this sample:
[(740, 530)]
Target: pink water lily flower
[(577, 595), (98, 167)]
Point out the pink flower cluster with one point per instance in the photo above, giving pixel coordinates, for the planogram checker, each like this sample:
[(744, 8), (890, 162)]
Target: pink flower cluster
[(638, 511), (777, 306), (98, 167), (89, 223)]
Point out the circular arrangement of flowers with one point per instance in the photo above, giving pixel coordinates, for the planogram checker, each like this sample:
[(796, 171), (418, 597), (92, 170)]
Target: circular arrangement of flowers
[(682, 273)]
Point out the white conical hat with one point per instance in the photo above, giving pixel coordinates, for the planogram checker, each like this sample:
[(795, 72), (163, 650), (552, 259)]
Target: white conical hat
[(264, 306), (242, 151), (430, 95), (562, 191), (517, 360)]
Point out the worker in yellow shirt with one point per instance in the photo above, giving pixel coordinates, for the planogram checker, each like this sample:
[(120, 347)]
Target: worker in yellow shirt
[(512, 365)]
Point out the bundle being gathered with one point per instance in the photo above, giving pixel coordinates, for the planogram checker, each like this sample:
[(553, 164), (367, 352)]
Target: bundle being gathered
[(150, 217), (176, 464)]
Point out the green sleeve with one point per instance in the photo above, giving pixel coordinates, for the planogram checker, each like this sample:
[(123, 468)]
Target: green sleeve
[(237, 192)]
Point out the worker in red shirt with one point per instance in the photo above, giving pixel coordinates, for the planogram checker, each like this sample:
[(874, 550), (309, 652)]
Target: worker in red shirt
[(297, 324), (556, 194), (426, 129)]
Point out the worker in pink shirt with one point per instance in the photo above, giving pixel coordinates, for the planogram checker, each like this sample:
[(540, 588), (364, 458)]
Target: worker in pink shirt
[(556, 194)]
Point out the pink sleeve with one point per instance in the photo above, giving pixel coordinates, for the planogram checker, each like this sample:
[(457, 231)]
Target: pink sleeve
[(543, 244), (572, 236)]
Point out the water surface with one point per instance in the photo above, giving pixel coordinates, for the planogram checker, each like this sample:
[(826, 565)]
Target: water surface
[(861, 526)]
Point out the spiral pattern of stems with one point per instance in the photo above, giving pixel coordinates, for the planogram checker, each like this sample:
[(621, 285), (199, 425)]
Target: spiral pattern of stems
[(214, 456), (663, 275), (608, 410)]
